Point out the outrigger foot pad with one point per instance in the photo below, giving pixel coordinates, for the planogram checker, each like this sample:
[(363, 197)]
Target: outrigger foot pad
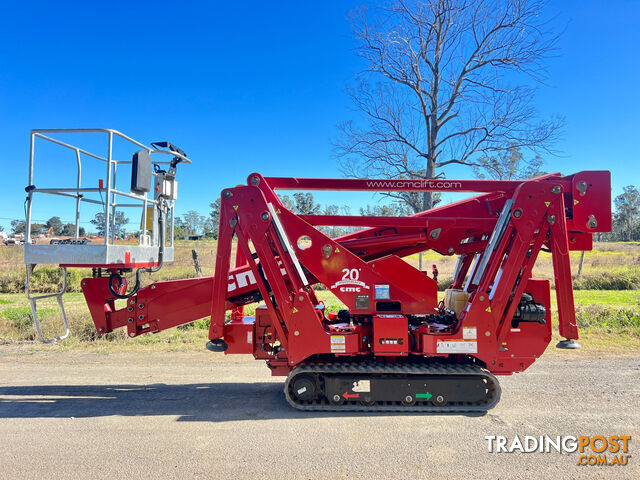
[(568, 344), (217, 345)]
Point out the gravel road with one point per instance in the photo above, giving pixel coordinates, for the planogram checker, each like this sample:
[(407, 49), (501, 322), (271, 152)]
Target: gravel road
[(202, 415)]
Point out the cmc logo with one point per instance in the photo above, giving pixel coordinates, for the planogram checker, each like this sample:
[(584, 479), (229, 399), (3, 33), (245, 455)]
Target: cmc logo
[(350, 289), (391, 341)]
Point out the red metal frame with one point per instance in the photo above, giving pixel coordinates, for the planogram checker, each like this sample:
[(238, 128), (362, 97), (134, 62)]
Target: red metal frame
[(280, 256)]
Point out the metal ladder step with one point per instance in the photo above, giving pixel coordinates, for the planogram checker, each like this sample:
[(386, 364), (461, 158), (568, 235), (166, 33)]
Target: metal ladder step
[(34, 299)]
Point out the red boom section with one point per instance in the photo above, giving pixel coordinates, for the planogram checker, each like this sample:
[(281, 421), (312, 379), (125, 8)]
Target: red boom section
[(391, 308)]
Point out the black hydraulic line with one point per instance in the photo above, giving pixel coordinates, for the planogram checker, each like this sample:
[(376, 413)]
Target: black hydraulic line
[(140, 270)]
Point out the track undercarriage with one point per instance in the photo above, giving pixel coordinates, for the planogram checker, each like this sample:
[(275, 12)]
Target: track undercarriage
[(436, 387)]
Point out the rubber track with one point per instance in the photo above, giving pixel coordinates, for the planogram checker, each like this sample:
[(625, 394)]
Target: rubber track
[(373, 368)]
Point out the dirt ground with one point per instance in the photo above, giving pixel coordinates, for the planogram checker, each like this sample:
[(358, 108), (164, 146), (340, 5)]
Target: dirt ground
[(203, 415)]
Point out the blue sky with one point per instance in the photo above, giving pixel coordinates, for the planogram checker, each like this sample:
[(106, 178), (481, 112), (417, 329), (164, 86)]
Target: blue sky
[(260, 86)]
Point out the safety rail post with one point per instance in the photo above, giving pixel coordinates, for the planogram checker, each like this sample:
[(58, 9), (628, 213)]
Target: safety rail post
[(107, 217), (78, 194), (30, 193), (114, 203)]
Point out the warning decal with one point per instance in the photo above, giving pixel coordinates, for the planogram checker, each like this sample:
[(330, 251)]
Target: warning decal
[(456, 346), (338, 344), (469, 333), (361, 386)]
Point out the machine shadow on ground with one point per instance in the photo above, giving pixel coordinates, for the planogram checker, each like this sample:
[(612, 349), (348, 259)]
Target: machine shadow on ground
[(208, 402)]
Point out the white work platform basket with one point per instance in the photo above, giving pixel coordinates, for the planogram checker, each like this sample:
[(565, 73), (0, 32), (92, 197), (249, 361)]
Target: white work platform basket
[(104, 194), (94, 179)]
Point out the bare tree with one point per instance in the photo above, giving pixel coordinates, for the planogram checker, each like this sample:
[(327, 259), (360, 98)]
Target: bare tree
[(445, 84)]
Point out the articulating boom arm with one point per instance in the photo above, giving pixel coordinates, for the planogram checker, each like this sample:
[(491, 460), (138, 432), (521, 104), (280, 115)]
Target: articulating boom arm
[(392, 309)]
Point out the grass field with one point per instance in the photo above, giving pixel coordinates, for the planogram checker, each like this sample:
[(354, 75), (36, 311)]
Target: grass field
[(607, 299)]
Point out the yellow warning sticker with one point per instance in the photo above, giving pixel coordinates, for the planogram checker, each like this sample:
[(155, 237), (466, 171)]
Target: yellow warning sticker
[(575, 202), (469, 333), (235, 207), (338, 344), (488, 309), (295, 310), (547, 203)]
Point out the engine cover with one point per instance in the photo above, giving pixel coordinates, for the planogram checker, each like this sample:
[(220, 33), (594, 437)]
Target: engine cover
[(390, 334)]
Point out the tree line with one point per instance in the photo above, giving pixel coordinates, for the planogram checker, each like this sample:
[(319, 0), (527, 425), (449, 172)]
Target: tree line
[(626, 216), (53, 225), (194, 224)]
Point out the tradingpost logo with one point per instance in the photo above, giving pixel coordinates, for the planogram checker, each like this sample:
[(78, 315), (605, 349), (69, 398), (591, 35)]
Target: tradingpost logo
[(595, 450)]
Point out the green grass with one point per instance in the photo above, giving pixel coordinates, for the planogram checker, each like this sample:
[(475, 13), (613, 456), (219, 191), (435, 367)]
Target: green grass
[(16, 325), (616, 277), (599, 312), (607, 297), (613, 320)]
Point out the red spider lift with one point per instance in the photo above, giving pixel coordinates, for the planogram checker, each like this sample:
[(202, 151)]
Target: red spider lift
[(394, 346)]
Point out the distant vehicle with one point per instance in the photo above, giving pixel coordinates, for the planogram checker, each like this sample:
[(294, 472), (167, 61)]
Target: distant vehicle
[(69, 241), (14, 241)]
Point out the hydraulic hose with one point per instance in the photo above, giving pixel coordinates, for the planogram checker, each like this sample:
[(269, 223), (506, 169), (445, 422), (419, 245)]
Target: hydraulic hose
[(115, 276), (140, 270)]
